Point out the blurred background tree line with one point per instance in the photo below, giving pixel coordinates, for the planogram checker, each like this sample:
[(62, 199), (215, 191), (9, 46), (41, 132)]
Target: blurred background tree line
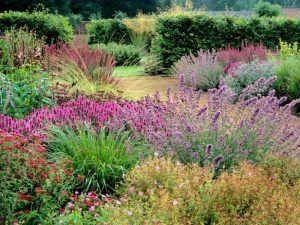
[(109, 8)]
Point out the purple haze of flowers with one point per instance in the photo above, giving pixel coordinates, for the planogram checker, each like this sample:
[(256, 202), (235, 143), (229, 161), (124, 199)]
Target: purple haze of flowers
[(178, 126), (69, 113)]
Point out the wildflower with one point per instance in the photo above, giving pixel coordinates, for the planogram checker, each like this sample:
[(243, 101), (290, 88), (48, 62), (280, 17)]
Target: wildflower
[(71, 205), (80, 178), (175, 202), (129, 213), (92, 208)]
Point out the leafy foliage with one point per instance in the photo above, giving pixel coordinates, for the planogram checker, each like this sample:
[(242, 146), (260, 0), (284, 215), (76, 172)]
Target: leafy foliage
[(53, 27), (101, 157), (105, 31), (179, 35), (202, 71), (23, 91), (263, 8), (123, 54), (245, 74), (30, 184), (161, 191)]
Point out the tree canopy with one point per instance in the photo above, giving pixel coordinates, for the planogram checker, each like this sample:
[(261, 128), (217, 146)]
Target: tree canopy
[(107, 8)]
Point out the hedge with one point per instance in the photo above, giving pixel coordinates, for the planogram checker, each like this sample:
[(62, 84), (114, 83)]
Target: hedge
[(125, 55), (53, 27), (178, 35), (108, 30)]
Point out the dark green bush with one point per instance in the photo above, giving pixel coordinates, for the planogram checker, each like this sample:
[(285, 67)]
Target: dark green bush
[(53, 27), (267, 9), (108, 30), (123, 54), (178, 35)]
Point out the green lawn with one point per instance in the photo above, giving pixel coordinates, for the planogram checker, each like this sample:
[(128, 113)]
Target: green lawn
[(127, 71)]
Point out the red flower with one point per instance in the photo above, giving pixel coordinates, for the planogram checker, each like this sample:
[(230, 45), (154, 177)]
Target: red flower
[(43, 175), (27, 211), (80, 178), (40, 191), (25, 197)]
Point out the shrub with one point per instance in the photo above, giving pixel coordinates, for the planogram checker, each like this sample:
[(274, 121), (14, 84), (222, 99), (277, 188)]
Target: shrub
[(162, 192), (17, 48), (246, 74), (176, 36), (246, 54), (30, 184), (215, 133), (52, 27), (288, 78), (267, 9), (101, 157), (282, 168), (124, 54), (108, 30), (202, 70), (23, 91), (75, 20)]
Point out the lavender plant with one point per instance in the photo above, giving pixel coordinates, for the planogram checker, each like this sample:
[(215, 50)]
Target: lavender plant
[(244, 74), (216, 133), (204, 70)]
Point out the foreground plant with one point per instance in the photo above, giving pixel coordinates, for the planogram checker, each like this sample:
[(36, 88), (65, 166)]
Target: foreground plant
[(101, 157), (30, 184), (160, 191)]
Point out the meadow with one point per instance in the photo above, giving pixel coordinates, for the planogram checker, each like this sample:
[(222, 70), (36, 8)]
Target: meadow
[(173, 118)]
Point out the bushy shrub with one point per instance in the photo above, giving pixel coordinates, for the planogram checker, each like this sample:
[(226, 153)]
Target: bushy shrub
[(176, 36), (267, 9), (216, 133), (160, 191), (52, 27), (101, 157), (30, 184), (202, 70), (123, 54), (245, 74), (75, 20), (246, 54), (108, 30), (23, 91), (288, 78)]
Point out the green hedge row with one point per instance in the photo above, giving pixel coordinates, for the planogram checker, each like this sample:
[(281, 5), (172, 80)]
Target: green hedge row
[(53, 27), (108, 30), (179, 35)]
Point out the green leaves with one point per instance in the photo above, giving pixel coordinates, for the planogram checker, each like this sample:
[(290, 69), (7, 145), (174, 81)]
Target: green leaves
[(24, 90)]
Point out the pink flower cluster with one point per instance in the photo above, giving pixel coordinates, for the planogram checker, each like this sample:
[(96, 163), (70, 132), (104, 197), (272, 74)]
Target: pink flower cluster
[(68, 113)]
